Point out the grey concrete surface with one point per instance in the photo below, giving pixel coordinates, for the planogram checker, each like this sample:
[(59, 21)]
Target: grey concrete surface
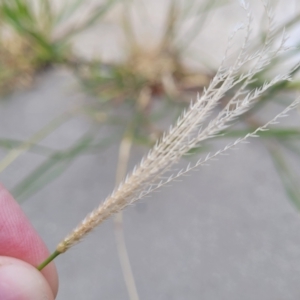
[(227, 231)]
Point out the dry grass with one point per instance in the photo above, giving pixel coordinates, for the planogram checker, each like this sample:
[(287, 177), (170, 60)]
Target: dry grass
[(17, 66)]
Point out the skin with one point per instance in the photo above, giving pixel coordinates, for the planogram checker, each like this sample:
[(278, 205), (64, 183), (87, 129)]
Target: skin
[(21, 250)]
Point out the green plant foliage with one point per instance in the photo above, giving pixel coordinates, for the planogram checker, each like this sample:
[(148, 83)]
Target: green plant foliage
[(37, 24), (56, 164)]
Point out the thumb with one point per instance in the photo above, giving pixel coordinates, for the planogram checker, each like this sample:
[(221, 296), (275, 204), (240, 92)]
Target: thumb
[(21, 281)]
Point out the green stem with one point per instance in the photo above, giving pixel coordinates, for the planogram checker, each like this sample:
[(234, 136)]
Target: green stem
[(48, 260)]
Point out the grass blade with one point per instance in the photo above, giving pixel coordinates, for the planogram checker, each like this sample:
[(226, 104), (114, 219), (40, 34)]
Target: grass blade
[(288, 179), (56, 165), (10, 144), (49, 170), (41, 134)]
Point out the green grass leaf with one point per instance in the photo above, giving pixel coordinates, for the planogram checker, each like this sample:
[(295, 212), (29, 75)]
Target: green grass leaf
[(288, 179), (50, 169), (56, 165)]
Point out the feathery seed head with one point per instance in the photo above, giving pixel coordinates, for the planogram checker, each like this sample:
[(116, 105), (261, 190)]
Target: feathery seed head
[(190, 130)]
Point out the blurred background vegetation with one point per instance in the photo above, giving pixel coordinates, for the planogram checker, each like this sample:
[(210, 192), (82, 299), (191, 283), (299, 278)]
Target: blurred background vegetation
[(152, 82)]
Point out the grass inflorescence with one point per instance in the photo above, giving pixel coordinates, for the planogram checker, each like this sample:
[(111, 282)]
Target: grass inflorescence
[(192, 127)]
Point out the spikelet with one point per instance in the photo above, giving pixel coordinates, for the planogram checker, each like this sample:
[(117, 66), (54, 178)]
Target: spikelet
[(189, 129)]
